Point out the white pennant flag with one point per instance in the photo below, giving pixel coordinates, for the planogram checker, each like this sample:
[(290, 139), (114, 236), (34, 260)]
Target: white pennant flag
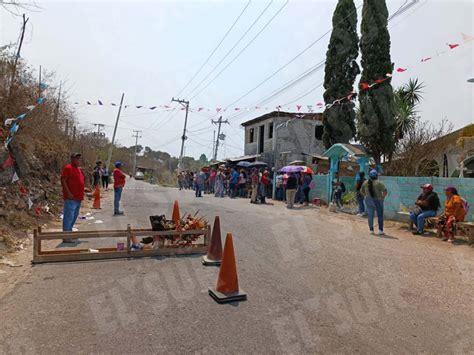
[(15, 178), (30, 203)]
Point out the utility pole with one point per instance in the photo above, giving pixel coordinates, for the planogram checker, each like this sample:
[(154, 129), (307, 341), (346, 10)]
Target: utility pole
[(57, 105), (39, 82), (137, 135), (17, 56), (183, 137), (99, 126), (66, 129), (109, 158), (219, 122), (213, 144)]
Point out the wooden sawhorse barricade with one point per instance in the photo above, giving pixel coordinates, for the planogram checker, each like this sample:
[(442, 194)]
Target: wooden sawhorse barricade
[(46, 256)]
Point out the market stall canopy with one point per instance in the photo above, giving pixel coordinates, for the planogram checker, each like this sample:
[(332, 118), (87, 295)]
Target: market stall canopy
[(297, 162), (258, 164), (243, 164), (249, 158)]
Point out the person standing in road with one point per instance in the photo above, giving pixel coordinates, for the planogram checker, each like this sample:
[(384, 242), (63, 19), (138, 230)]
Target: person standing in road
[(105, 178), (291, 186), (264, 182), (254, 179), (307, 179), (119, 183), (360, 179), (374, 192), (233, 181), (72, 182)]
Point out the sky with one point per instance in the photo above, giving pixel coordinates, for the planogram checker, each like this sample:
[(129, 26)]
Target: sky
[(150, 50)]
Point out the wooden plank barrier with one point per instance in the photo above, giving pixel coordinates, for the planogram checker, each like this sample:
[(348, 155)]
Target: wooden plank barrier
[(47, 256)]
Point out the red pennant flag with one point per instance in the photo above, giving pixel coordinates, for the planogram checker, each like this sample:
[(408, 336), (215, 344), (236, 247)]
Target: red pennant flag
[(200, 109), (401, 70), (425, 59), (218, 109), (319, 104), (452, 46), (8, 163), (364, 86), (38, 211), (298, 107), (23, 190)]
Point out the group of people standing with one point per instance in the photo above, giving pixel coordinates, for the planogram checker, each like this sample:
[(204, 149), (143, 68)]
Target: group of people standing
[(100, 175), (293, 188), (371, 194), (73, 188)]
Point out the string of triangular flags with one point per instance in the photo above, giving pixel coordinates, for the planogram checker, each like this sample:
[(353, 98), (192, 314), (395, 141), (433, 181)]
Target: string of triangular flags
[(319, 105), (12, 125)]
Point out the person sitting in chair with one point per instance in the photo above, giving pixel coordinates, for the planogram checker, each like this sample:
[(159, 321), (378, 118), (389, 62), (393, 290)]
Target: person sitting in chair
[(426, 205), (454, 211)]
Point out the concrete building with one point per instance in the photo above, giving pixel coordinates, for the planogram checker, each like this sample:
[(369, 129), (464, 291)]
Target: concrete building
[(282, 137)]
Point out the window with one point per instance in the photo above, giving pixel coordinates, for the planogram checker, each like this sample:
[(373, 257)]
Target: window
[(251, 135), (270, 131), (318, 132)]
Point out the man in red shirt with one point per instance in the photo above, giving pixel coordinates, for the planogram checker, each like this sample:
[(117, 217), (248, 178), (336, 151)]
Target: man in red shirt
[(72, 181), (119, 183)]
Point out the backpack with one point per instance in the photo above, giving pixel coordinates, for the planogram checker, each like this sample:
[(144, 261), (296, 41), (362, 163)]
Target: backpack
[(343, 187)]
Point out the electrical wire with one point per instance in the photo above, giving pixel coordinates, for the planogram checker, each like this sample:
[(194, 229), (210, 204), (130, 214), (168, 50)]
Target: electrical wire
[(242, 50), (215, 49), (233, 47)]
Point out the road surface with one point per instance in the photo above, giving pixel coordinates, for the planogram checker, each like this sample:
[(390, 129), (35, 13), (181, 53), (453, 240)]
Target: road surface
[(316, 283)]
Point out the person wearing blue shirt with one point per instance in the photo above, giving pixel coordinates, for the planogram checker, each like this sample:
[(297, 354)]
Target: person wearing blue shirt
[(234, 178)]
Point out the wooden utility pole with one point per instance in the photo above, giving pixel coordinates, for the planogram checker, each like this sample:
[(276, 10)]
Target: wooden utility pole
[(183, 137), (17, 56), (137, 135), (109, 158), (58, 103), (219, 122)]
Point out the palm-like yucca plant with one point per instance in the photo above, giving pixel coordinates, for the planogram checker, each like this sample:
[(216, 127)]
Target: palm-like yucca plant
[(407, 98)]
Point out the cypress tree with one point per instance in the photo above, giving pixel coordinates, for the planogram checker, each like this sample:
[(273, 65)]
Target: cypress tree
[(340, 73), (376, 125)]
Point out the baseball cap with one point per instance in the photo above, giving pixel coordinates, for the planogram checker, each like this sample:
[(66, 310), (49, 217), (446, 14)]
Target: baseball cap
[(118, 163), (76, 155), (427, 186)]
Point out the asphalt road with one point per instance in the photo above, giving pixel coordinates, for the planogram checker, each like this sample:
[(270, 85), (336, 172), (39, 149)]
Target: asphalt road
[(316, 283)]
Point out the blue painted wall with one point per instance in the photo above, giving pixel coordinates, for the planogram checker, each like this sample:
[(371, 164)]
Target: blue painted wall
[(402, 191)]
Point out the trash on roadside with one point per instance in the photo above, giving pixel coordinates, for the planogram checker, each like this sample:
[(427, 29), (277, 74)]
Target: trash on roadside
[(9, 263)]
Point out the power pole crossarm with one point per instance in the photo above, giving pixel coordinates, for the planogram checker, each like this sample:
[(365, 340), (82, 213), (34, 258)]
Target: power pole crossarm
[(219, 122), (183, 137)]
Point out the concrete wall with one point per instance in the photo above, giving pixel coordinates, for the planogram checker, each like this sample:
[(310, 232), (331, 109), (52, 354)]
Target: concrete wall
[(402, 191), (288, 141)]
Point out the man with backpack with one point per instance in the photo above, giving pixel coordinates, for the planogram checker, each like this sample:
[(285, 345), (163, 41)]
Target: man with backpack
[(426, 205)]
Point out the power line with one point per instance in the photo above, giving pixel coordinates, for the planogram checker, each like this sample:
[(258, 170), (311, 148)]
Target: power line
[(230, 51), (243, 49), (215, 49)]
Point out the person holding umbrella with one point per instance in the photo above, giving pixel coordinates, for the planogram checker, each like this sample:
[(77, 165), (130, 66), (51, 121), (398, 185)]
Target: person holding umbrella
[(307, 179)]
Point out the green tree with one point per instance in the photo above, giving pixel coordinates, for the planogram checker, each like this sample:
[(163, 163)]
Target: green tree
[(376, 126), (407, 98), (340, 73), (203, 158)]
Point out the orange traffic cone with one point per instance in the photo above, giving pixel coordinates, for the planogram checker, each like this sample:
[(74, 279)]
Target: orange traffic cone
[(175, 216), (214, 251), (96, 195), (227, 289)]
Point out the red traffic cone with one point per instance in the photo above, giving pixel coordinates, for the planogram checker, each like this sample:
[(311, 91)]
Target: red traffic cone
[(214, 251), (96, 195), (175, 215), (227, 289)]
